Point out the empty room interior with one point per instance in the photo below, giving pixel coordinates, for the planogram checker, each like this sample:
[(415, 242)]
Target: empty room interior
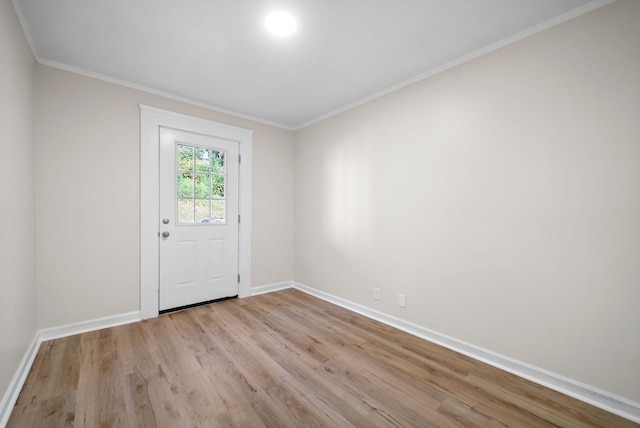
[(409, 213)]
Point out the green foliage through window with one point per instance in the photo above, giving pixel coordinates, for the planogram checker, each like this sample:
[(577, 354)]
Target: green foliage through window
[(200, 185)]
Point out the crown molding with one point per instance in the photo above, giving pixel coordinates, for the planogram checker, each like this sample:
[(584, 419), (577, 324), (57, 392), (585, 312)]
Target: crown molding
[(589, 7)]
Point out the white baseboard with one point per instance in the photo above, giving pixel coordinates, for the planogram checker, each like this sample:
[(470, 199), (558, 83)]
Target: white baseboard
[(13, 391), (15, 386), (605, 400), (91, 325), (589, 394), (255, 291)]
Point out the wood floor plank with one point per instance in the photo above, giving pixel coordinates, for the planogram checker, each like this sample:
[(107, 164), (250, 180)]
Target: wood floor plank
[(224, 401), (298, 377), (268, 375), (466, 416), (138, 402), (283, 359), (238, 367), (318, 378)]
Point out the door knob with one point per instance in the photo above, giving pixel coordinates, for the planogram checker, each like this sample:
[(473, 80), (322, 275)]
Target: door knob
[(165, 234)]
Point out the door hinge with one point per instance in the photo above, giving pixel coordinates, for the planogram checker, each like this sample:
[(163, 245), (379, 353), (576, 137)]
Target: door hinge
[(238, 218), (239, 158), (238, 277)]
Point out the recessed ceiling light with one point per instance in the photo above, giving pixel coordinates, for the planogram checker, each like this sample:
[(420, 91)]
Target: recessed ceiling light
[(280, 23)]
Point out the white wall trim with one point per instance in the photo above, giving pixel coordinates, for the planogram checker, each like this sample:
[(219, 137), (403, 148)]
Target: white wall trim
[(17, 382), (90, 325), (151, 119), (125, 83), (591, 6), (256, 291), (597, 397), (15, 386), (27, 33), (589, 394), (158, 92)]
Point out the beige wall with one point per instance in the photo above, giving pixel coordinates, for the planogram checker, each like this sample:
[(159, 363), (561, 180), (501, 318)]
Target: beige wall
[(88, 192), (501, 196), (17, 222)]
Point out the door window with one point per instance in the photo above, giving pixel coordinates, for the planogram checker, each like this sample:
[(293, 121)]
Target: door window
[(200, 185)]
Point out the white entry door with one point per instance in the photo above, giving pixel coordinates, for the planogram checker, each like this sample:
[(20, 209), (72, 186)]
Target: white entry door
[(198, 218)]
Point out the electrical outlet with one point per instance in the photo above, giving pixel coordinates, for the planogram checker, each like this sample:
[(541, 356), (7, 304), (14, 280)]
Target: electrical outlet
[(402, 300), (376, 293)]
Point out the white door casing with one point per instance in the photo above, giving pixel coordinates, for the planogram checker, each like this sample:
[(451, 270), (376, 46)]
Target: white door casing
[(199, 226), (152, 120)]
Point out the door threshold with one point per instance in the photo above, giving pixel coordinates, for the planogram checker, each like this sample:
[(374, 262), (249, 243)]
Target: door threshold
[(195, 305)]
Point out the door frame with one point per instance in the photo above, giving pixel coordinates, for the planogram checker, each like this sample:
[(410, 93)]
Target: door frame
[(151, 119)]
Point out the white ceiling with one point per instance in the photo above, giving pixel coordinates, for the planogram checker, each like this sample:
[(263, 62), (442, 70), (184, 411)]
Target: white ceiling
[(218, 52)]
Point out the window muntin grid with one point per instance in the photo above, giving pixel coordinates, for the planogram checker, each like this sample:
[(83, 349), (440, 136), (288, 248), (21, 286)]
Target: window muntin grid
[(200, 184)]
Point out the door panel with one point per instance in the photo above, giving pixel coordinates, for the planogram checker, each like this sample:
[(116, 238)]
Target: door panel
[(198, 218), (216, 259)]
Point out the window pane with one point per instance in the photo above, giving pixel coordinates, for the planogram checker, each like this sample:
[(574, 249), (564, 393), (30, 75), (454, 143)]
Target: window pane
[(202, 185), (202, 211), (217, 211), (185, 157), (185, 210), (203, 160), (217, 162), (217, 185), (185, 185)]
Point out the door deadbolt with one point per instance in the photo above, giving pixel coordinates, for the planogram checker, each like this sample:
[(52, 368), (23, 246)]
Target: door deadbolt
[(165, 221)]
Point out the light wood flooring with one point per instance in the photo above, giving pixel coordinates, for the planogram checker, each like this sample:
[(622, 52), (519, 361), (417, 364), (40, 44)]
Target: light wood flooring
[(283, 359)]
